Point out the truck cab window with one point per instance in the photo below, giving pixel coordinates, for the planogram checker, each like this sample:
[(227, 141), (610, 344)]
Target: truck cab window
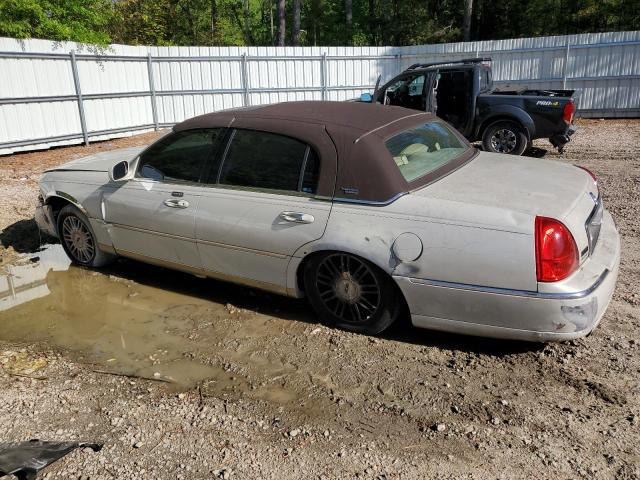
[(407, 92)]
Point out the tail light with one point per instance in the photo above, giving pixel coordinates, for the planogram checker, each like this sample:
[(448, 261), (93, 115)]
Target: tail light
[(593, 175), (568, 111), (556, 250)]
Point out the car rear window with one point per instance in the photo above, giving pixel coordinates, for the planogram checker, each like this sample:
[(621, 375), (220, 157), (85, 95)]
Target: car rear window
[(423, 149)]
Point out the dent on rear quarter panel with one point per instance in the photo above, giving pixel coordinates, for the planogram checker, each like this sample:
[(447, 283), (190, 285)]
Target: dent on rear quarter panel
[(451, 252)]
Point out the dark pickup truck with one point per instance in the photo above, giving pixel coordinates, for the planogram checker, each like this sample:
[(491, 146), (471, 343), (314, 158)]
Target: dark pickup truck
[(462, 93)]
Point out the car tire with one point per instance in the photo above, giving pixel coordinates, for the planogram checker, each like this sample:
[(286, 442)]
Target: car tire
[(79, 240), (505, 137), (351, 293)]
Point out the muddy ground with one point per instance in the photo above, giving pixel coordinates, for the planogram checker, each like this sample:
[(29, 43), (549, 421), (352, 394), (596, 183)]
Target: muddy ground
[(230, 382)]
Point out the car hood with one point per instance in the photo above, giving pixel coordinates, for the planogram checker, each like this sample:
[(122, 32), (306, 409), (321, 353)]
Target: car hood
[(100, 162), (520, 184)]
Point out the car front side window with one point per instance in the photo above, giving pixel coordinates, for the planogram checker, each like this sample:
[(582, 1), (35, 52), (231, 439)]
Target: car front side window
[(269, 161), (179, 157)]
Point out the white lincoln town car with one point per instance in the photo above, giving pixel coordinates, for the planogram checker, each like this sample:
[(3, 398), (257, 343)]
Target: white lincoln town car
[(369, 211)]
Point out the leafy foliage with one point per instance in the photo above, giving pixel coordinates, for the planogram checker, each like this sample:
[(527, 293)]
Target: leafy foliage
[(323, 22), (86, 21)]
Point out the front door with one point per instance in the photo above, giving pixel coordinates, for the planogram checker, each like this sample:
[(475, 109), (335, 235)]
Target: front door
[(260, 208), (152, 216)]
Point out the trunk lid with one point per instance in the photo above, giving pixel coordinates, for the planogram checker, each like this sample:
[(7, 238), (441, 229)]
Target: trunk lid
[(100, 162), (521, 187)]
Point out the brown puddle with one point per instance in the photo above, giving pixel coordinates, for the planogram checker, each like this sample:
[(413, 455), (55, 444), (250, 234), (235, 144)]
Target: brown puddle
[(177, 335)]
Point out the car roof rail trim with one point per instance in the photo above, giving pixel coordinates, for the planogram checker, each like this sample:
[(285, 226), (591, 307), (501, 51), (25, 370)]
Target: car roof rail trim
[(451, 62), (387, 124)]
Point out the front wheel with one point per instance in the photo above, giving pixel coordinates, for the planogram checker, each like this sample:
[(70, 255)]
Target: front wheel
[(505, 137), (78, 239), (351, 293)]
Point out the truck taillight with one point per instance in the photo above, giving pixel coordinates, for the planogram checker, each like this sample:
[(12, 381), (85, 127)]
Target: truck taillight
[(556, 250), (568, 111)]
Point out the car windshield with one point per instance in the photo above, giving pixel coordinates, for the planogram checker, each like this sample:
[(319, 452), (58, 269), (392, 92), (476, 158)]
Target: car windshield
[(421, 150)]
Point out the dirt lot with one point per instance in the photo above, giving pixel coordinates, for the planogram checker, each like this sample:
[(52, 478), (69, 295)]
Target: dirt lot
[(230, 382)]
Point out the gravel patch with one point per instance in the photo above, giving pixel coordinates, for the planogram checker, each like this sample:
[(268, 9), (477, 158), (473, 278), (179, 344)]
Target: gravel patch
[(295, 399)]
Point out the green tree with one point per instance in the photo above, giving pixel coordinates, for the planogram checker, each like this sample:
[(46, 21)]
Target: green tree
[(84, 21)]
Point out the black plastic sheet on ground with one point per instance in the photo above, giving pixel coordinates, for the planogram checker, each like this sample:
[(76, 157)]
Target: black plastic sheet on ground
[(26, 459)]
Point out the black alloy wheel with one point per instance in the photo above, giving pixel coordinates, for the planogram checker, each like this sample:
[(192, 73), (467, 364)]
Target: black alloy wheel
[(351, 293)]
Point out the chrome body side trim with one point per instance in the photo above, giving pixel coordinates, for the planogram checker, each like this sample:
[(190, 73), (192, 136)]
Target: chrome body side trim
[(512, 292), (370, 202), (69, 198)]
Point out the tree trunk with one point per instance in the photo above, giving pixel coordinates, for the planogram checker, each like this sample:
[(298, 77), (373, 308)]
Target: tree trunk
[(282, 24), (466, 21), (271, 20), (295, 33), (214, 18), (348, 16), (247, 24), (373, 37)]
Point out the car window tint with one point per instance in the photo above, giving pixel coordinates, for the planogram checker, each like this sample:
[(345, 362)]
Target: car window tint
[(263, 160), (421, 150), (179, 156), (311, 173)]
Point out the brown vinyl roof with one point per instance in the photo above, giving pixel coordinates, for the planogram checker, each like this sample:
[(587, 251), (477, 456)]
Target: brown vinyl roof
[(349, 137), (360, 116)]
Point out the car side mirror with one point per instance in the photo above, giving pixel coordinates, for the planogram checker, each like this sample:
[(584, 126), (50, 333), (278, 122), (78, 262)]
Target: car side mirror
[(119, 170), (366, 98)]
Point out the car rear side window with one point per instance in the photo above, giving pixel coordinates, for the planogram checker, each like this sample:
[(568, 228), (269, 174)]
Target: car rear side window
[(180, 156), (423, 149), (265, 160), (311, 174)]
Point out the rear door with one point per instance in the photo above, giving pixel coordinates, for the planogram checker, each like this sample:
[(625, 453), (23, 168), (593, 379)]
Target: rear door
[(152, 216), (260, 207)]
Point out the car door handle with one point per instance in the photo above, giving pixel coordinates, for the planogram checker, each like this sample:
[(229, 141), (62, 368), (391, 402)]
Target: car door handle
[(176, 203), (296, 217)]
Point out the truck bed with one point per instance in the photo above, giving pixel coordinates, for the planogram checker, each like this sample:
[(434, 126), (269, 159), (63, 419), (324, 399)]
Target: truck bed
[(536, 93)]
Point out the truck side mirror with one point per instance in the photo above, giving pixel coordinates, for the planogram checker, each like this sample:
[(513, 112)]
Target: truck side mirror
[(366, 98), (119, 170)]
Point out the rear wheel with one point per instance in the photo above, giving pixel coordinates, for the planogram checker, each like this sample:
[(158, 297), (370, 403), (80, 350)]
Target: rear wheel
[(505, 137), (78, 239), (349, 292)]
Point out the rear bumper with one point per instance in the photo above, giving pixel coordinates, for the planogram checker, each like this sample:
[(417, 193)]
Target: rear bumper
[(559, 140), (572, 311), (44, 220)]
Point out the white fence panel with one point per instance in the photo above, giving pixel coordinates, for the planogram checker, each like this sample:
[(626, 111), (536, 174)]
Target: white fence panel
[(124, 90)]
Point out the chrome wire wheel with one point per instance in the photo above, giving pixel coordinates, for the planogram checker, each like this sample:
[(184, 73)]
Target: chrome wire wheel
[(348, 288), (78, 239), (504, 140)]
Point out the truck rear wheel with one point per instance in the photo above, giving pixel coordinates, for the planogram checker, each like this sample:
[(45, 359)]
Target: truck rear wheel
[(505, 136)]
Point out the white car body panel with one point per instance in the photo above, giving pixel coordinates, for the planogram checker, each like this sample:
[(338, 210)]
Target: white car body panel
[(476, 273), (141, 223), (241, 233)]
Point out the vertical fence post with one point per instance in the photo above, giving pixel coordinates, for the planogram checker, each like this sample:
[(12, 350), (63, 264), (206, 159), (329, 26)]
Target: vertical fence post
[(323, 75), (398, 62), (565, 68), (76, 82), (152, 91), (244, 77)]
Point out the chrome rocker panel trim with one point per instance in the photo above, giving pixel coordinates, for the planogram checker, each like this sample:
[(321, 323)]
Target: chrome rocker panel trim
[(512, 292)]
